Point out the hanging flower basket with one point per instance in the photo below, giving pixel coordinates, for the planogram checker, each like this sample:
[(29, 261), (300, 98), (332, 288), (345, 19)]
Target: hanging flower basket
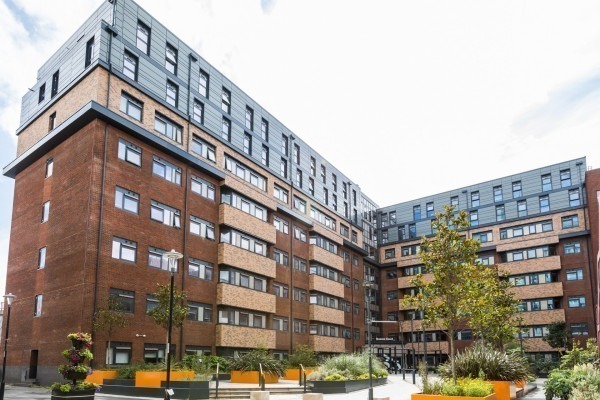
[(78, 376)]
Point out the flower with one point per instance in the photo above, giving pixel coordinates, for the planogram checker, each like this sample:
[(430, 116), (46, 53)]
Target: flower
[(79, 387)]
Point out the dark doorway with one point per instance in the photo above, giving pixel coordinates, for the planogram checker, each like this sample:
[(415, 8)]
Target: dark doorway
[(33, 364)]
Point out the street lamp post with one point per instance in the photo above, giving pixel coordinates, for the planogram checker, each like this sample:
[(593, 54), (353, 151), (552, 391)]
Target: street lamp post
[(172, 256), (367, 284), (9, 299)]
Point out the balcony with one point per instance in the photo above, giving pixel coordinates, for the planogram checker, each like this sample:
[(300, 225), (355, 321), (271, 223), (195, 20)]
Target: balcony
[(236, 296), (325, 257), (533, 265), (405, 281), (242, 336), (326, 344), (543, 317), (231, 216), (522, 242), (540, 291), (326, 314), (246, 260), (324, 285)]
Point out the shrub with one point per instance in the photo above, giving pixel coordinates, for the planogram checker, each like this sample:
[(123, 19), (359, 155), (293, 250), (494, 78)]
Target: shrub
[(586, 383), (335, 377), (350, 366), (302, 355), (495, 365), (254, 359)]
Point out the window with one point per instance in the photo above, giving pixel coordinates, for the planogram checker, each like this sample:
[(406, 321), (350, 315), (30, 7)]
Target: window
[(454, 201), (156, 259), (522, 208), (280, 290), (344, 230), (283, 168), (125, 298), (322, 218), (300, 205), (167, 128), (119, 353), (429, 211), (131, 107), (300, 295), (284, 145), (296, 153), (280, 324), (226, 100), (474, 218), (575, 274), (300, 264), (127, 200), (300, 326), (247, 144), (42, 93), (475, 199), (200, 269), (264, 157), (89, 52), (143, 37), (42, 258), (37, 308), (299, 178), (392, 295), (49, 167), (52, 121), (243, 241), (166, 170), (130, 65), (54, 84), (570, 221), (172, 93), (203, 188), (579, 329), (249, 118), (323, 174), (565, 178), (572, 248), (198, 112), (244, 204), (171, 59), (203, 83), (165, 214), (390, 253), (393, 216), (412, 231), (199, 312), (497, 193), (326, 196), (155, 353), (299, 234), (280, 193), (281, 225), (264, 130), (410, 250), (391, 274), (517, 189), (416, 213), (544, 203), (204, 149), (523, 230), (311, 186), (202, 228), (546, 182), (576, 301), (130, 152), (45, 211), (123, 249), (281, 257), (245, 173), (324, 244), (574, 198), (483, 237)]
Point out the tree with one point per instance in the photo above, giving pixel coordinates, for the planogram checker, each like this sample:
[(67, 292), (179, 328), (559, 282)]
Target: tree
[(160, 313), (450, 258), (494, 309), (109, 319), (559, 337)]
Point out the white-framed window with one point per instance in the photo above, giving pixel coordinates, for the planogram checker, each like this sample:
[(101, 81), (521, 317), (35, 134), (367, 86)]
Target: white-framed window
[(202, 228), (131, 106), (203, 188), (198, 112), (576, 301), (143, 37), (130, 65), (264, 157), (200, 312), (281, 225), (204, 149), (49, 167), (123, 249), (572, 248), (171, 59), (226, 129), (280, 193), (166, 127), (200, 269), (45, 211), (249, 118), (203, 83), (172, 96), (245, 173), (244, 241), (156, 259), (264, 130), (37, 308), (574, 274), (130, 153), (127, 200), (166, 170), (226, 100), (42, 258)]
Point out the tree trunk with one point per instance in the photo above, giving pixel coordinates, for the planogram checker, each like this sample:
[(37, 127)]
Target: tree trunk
[(452, 367), (109, 353)]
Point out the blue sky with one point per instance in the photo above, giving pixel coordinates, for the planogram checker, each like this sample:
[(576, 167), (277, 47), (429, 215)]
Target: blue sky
[(407, 98)]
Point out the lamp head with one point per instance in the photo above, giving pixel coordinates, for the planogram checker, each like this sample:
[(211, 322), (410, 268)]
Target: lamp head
[(9, 298)]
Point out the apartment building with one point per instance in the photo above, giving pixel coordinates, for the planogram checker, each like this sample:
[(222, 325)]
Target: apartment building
[(534, 225), (130, 145)]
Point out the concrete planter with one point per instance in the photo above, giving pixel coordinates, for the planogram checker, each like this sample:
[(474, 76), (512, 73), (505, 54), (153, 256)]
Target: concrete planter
[(328, 387), (251, 377), (421, 396)]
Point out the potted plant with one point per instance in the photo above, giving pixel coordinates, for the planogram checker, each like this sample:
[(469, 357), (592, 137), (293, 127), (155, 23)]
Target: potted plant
[(76, 370), (481, 361), (346, 373), (303, 356), (448, 389), (245, 369)]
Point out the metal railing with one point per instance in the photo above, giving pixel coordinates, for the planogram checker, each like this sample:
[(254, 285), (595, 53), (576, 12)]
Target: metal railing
[(302, 377), (261, 378)]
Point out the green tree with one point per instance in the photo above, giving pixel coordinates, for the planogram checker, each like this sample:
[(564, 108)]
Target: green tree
[(559, 337), (109, 319), (160, 313), (494, 312), (446, 297)]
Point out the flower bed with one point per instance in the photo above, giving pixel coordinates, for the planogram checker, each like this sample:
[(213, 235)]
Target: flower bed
[(328, 387)]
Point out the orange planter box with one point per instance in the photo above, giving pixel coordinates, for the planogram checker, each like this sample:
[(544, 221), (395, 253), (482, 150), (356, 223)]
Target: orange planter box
[(153, 378), (521, 384), (251, 377), (502, 389), (420, 396), (99, 376), (294, 374)]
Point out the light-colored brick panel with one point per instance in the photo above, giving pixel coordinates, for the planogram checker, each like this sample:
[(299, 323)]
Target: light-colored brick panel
[(236, 296), (325, 257), (405, 281), (326, 314), (534, 265), (241, 336), (327, 344), (543, 317), (246, 260), (407, 261), (238, 219), (253, 193), (523, 242), (326, 232), (539, 291), (324, 285)]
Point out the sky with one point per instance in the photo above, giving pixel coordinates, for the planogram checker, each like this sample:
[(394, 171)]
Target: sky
[(407, 98)]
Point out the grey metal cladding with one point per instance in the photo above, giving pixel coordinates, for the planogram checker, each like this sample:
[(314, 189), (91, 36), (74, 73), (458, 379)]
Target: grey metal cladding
[(69, 60)]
